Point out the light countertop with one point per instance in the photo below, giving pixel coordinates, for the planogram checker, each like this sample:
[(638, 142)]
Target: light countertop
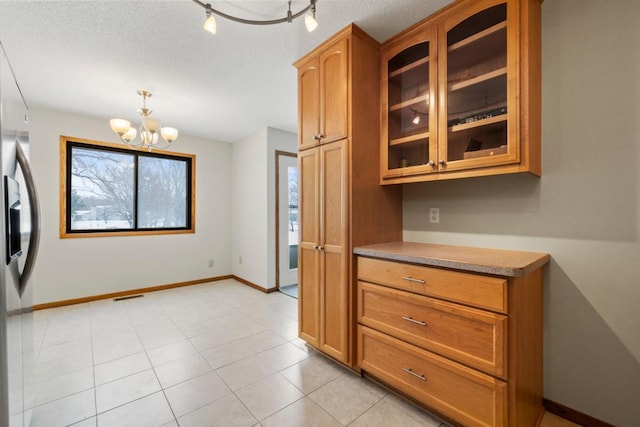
[(480, 260)]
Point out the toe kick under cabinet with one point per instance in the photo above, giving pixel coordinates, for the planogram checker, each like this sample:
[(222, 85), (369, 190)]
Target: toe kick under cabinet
[(456, 329)]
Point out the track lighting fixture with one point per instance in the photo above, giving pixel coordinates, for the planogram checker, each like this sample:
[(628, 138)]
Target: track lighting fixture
[(310, 21), (210, 23), (310, 18)]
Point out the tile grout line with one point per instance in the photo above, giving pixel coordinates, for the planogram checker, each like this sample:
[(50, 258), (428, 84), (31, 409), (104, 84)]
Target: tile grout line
[(37, 405), (201, 353), (117, 379), (306, 396), (162, 389), (233, 392), (175, 418), (93, 368)]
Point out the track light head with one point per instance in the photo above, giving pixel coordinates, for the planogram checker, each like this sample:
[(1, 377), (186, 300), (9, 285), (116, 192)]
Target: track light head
[(210, 24)]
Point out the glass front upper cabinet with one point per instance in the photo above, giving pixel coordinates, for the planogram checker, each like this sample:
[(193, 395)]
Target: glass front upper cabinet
[(477, 84), (409, 118), (460, 94)]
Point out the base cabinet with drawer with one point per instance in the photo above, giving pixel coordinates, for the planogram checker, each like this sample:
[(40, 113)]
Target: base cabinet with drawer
[(456, 329)]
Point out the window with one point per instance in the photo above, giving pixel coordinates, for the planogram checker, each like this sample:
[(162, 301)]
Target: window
[(111, 190), (292, 176)]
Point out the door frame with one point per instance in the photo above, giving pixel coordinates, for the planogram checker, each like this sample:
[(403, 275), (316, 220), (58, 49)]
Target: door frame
[(279, 153)]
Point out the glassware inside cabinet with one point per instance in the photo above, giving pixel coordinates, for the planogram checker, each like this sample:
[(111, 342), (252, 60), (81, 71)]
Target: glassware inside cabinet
[(477, 86), (408, 107)]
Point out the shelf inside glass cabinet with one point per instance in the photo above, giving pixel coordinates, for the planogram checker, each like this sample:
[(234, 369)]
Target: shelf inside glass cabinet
[(413, 66), (477, 84), (409, 153), (408, 93), (479, 138), (421, 99), (488, 43), (408, 121), (410, 138)]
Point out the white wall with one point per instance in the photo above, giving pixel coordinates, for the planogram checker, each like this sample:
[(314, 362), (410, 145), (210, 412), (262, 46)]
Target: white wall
[(80, 267), (249, 208), (253, 219), (584, 210), (235, 217)]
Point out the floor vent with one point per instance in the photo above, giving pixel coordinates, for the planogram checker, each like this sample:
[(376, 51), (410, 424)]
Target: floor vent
[(128, 297)]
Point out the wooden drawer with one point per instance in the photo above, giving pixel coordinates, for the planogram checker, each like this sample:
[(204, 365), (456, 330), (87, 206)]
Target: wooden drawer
[(472, 289), (474, 337), (463, 394)]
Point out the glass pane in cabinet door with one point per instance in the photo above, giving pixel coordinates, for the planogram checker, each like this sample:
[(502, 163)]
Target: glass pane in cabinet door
[(408, 107), (477, 86)]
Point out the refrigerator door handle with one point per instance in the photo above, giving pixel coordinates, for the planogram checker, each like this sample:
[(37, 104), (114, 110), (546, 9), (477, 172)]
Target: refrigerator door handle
[(34, 238)]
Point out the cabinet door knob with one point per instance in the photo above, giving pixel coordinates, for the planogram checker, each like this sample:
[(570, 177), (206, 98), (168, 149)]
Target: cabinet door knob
[(431, 163), (442, 163)]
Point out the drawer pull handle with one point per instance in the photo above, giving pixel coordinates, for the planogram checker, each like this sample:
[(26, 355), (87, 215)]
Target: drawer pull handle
[(409, 371), (409, 319), (412, 279)]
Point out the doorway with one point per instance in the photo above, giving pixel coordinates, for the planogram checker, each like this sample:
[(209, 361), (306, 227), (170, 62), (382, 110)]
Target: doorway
[(287, 223)]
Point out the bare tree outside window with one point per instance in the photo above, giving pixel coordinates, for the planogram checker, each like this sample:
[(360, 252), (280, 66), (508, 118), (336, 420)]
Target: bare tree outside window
[(112, 189), (162, 193), (102, 190), (292, 173)]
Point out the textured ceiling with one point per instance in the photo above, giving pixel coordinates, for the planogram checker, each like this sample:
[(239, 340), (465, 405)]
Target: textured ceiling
[(90, 57)]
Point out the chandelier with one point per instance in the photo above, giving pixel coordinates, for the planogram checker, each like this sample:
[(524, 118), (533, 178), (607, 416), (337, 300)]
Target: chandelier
[(149, 129), (309, 19)]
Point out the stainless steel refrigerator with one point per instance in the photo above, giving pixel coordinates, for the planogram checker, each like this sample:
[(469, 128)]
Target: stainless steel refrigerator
[(20, 221)]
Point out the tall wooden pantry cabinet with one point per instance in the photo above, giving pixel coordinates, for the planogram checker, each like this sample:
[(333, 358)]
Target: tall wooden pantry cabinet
[(341, 202)]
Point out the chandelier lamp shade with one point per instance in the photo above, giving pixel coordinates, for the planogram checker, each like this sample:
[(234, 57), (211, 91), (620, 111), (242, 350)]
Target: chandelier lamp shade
[(309, 13), (149, 129)]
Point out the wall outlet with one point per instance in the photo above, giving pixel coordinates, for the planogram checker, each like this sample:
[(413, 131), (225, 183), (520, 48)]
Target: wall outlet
[(434, 215), (240, 260), (210, 263)]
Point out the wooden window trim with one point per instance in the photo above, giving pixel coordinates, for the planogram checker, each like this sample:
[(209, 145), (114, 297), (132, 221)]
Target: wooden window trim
[(63, 192)]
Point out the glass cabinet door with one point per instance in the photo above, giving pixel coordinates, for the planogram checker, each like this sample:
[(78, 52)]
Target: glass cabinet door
[(408, 110), (478, 120)]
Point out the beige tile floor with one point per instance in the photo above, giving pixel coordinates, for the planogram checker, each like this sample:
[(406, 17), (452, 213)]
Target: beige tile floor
[(218, 354)]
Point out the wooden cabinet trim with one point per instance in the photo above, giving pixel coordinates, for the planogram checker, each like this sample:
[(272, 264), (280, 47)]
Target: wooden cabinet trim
[(523, 129), (474, 337), (334, 91), (458, 392), (470, 289), (308, 257), (334, 297), (309, 103), (520, 327), (370, 213)]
